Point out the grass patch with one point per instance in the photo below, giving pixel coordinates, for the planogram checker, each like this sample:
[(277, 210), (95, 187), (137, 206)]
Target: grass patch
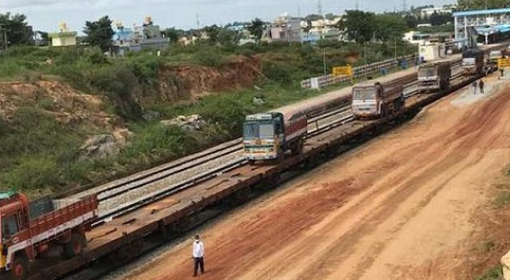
[(495, 273), (502, 199)]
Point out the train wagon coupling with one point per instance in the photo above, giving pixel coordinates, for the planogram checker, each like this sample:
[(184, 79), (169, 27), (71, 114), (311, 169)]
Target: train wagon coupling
[(297, 138)]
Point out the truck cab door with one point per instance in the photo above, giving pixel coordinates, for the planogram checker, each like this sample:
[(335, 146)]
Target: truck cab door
[(279, 130)]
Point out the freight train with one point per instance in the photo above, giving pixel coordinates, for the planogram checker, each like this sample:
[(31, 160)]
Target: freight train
[(30, 230), (267, 136)]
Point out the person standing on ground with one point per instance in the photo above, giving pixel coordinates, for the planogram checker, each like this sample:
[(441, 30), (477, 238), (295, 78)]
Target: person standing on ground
[(474, 85), (481, 85), (198, 255)]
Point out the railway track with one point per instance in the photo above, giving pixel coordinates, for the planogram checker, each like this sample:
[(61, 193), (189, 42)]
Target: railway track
[(121, 198)]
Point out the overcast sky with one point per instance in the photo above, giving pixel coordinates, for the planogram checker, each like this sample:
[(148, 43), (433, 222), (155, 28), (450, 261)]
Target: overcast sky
[(46, 14)]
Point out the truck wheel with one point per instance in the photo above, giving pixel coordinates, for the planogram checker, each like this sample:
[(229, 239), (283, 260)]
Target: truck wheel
[(19, 268), (251, 162), (297, 148), (74, 247)]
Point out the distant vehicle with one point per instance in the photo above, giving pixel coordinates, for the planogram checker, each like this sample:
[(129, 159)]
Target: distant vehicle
[(267, 136), (434, 76), (379, 99), (473, 62), (29, 230), (432, 52)]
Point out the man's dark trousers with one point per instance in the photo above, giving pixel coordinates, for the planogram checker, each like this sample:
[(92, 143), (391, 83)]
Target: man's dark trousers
[(199, 262)]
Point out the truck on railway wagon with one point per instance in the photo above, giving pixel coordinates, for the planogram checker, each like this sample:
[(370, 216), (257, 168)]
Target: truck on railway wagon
[(434, 76), (379, 99), (473, 62), (267, 136), (32, 229)]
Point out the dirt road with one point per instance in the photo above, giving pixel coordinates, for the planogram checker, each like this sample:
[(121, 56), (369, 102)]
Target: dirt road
[(401, 207)]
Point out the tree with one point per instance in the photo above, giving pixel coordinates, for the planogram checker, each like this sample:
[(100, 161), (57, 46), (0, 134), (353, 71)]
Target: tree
[(440, 19), (481, 4), (313, 17), (411, 21), (212, 32), (389, 26), (228, 37), (357, 25), (173, 34), (15, 29), (99, 33), (256, 29), (330, 16)]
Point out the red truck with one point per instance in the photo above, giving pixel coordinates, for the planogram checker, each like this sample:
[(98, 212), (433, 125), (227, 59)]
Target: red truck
[(31, 229)]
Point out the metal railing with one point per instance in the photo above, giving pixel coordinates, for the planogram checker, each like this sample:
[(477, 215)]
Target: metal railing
[(360, 71)]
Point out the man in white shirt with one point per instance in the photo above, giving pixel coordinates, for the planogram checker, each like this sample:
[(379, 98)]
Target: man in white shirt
[(198, 255)]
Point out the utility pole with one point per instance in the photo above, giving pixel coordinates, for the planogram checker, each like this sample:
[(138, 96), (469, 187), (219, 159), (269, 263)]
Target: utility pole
[(324, 61), (4, 29), (198, 21), (357, 6), (395, 48), (404, 4), (320, 7)]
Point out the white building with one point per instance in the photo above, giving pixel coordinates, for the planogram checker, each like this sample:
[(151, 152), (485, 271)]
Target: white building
[(427, 12)]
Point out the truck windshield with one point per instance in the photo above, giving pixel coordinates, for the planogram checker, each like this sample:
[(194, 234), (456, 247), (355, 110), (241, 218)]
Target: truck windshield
[(427, 72), (364, 93), (258, 130), (9, 226)]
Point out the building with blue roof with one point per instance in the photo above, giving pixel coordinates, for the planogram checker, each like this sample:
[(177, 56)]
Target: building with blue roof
[(492, 25)]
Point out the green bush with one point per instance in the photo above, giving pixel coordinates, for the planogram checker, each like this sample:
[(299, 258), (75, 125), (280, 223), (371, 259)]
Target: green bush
[(495, 273), (278, 72), (32, 173), (211, 57), (121, 86)]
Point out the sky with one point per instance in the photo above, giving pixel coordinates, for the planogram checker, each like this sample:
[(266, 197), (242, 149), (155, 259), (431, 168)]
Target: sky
[(46, 15)]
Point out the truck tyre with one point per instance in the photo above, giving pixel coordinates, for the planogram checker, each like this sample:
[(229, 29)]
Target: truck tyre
[(75, 246), (251, 162), (19, 268), (297, 148)]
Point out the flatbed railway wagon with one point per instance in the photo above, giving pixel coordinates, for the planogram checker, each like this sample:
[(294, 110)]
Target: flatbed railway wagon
[(379, 99), (434, 76), (29, 230), (267, 136)]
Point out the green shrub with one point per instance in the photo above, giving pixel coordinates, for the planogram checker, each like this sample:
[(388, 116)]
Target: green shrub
[(211, 57), (495, 273), (121, 87), (32, 172), (277, 72)]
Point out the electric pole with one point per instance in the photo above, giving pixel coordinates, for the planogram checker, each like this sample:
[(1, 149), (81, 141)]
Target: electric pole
[(4, 33)]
